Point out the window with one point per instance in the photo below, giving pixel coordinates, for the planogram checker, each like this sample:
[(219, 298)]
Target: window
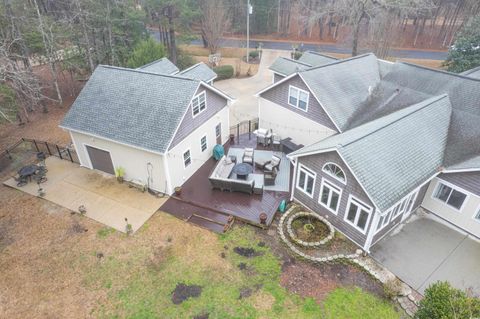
[(357, 214), (335, 171), (384, 220), (330, 196), (203, 143), (199, 103), (218, 130), (477, 215), (298, 98), (306, 180), (449, 196), (187, 160)]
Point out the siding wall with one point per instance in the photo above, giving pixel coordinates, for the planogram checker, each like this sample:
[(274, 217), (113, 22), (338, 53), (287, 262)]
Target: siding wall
[(133, 160), (463, 219), (277, 77), (279, 96), (470, 181), (215, 103), (315, 163)]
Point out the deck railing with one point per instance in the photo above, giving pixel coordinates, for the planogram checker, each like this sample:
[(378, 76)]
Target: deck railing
[(244, 127)]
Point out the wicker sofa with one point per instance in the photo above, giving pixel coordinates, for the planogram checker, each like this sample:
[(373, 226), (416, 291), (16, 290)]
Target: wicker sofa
[(219, 179)]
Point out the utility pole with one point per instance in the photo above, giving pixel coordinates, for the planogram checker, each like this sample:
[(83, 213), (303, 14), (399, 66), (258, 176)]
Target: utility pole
[(249, 12)]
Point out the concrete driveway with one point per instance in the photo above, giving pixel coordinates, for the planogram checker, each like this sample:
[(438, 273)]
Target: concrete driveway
[(424, 251), (106, 201), (246, 105)]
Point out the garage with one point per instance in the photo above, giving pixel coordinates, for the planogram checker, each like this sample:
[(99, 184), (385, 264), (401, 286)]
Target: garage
[(100, 159)]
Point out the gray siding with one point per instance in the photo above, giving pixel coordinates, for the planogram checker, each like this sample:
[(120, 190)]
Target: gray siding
[(315, 163), (215, 103), (277, 77), (279, 96), (420, 196), (470, 181)]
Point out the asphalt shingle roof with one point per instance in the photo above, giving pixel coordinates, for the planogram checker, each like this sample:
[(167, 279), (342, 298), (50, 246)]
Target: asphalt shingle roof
[(133, 107), (287, 66), (394, 154), (199, 71), (316, 59), (161, 66), (473, 73)]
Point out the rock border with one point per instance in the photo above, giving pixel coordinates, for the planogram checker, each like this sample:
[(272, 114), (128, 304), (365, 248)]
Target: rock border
[(300, 242)]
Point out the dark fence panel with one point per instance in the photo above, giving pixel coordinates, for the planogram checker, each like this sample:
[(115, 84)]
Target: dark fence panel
[(245, 127)]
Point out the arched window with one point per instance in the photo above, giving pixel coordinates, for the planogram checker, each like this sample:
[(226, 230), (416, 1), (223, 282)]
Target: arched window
[(335, 171)]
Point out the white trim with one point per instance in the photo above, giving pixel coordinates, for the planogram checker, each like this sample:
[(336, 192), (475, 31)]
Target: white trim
[(206, 143), (295, 166), (371, 232), (308, 173), (326, 150), (358, 203), (462, 170), (190, 157), (182, 73), (336, 177), (168, 179), (275, 84), (335, 188), (453, 187), (110, 140), (200, 110), (219, 92), (477, 213), (90, 160), (299, 90)]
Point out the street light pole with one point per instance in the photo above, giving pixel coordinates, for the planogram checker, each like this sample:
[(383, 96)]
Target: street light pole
[(248, 27)]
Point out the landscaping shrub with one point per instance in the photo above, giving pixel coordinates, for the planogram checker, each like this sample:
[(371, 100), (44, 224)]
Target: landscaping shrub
[(443, 301), (223, 72), (184, 60), (296, 55), (254, 54)]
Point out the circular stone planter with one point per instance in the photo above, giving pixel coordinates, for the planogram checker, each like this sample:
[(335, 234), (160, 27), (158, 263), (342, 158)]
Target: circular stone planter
[(304, 243)]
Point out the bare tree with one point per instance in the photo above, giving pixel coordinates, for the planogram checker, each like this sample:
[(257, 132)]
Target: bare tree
[(214, 22)]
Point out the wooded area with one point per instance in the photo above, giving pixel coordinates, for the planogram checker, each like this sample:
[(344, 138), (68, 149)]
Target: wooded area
[(72, 37)]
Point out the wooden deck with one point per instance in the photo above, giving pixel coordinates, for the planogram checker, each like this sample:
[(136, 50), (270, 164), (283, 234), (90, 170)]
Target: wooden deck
[(198, 199)]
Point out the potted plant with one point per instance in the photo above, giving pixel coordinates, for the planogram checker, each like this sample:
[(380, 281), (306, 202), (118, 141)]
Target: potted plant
[(178, 190), (119, 173)]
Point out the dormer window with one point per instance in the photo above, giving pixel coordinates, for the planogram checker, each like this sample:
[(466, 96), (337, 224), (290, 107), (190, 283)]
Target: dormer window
[(335, 171), (199, 103), (298, 98)]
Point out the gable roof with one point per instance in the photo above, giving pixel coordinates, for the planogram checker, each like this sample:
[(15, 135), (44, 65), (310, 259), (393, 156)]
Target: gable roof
[(473, 73), (132, 107), (376, 152), (199, 71), (316, 59), (286, 66), (161, 66)]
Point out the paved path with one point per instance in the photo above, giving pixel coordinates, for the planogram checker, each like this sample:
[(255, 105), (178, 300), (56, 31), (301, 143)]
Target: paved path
[(425, 251), (246, 105)]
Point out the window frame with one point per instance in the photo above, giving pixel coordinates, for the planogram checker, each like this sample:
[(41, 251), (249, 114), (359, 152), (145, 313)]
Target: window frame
[(334, 176), (476, 215), (454, 188), (359, 204), (189, 157), (201, 143), (388, 216), (297, 97), (333, 187), (200, 110), (308, 172)]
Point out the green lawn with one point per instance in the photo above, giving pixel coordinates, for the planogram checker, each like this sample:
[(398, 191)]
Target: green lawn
[(139, 283)]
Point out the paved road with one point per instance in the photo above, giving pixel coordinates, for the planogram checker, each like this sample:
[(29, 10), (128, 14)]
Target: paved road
[(327, 48)]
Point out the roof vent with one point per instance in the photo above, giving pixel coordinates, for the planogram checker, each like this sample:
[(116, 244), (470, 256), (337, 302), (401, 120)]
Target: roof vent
[(370, 90)]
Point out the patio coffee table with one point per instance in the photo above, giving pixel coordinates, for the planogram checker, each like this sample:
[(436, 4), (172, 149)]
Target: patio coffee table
[(28, 171), (242, 170)]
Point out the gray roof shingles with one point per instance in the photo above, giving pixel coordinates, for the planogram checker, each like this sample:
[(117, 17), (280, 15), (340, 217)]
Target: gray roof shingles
[(316, 59), (199, 71), (285, 66), (473, 73), (132, 107), (161, 66)]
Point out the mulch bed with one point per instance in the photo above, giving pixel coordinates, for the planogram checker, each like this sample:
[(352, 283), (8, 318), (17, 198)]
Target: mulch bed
[(182, 292), (319, 232), (317, 281)]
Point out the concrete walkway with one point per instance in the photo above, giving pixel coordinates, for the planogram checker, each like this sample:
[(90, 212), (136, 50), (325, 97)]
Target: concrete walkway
[(106, 201), (424, 251), (246, 105)]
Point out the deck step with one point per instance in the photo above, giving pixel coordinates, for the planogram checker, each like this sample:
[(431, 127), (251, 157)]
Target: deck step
[(205, 223)]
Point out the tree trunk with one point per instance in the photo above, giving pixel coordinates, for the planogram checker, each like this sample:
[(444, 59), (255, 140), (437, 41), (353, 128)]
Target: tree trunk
[(171, 31)]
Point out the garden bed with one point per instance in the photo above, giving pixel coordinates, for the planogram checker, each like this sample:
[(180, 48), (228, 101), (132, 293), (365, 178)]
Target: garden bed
[(309, 229)]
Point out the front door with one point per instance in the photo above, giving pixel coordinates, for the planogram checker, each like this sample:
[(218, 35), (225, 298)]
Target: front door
[(100, 160), (218, 133)]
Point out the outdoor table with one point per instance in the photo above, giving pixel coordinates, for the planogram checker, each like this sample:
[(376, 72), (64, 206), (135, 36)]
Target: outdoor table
[(242, 170), (28, 171)]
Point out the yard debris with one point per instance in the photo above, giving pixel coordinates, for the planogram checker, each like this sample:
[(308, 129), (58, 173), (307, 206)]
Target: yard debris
[(201, 316), (222, 255), (182, 292), (247, 252), (245, 293), (261, 244), (242, 266)]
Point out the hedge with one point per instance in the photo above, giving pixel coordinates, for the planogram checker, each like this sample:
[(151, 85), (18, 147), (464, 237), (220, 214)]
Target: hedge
[(224, 72)]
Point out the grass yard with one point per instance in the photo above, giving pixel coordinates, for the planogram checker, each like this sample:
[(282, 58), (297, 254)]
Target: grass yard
[(55, 264)]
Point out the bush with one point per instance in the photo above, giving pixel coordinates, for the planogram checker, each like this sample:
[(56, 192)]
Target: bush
[(145, 52), (443, 301), (254, 54), (223, 72), (296, 55), (184, 60)]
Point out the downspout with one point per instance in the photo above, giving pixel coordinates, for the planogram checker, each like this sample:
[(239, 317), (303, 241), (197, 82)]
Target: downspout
[(167, 174), (295, 163)]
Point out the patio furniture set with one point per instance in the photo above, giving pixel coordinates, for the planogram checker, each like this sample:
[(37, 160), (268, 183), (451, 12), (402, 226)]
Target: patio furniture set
[(268, 138), (36, 172), (232, 176)]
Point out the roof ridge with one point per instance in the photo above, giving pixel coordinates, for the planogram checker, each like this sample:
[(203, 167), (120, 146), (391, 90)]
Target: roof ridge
[(295, 61), (146, 72), (321, 54), (191, 67), (153, 62), (470, 71), (440, 71), (339, 61), (433, 100)]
